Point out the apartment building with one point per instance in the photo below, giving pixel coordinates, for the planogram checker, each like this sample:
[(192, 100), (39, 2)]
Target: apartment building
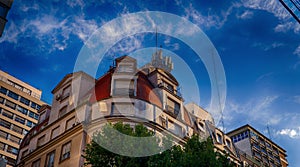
[(81, 105), (19, 105), (261, 150)]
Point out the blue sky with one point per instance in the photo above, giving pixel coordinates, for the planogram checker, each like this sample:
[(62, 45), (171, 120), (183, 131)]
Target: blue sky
[(257, 40)]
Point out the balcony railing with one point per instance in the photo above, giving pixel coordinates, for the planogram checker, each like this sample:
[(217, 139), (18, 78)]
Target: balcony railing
[(171, 90)]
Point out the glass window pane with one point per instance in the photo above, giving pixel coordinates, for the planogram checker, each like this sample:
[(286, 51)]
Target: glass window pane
[(24, 101), (13, 95), (70, 123), (3, 90), (20, 120), (10, 104)]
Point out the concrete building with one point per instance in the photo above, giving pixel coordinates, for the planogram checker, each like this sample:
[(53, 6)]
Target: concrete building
[(81, 105), (4, 8), (19, 105), (261, 150)]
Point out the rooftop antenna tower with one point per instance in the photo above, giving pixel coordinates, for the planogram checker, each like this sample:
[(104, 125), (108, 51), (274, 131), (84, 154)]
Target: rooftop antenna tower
[(156, 40), (218, 92), (269, 133)]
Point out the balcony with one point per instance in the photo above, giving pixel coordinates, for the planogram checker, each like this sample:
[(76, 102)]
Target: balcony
[(255, 147), (170, 89), (264, 152)]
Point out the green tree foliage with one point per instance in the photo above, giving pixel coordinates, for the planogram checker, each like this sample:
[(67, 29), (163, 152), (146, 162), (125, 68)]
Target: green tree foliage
[(193, 153)]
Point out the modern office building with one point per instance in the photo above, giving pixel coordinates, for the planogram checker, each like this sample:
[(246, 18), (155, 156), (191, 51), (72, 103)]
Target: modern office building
[(4, 8), (19, 105), (125, 93), (293, 7), (262, 151)]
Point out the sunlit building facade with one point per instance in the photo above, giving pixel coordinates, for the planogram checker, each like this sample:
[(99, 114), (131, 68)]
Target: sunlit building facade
[(125, 93), (19, 105), (261, 150)]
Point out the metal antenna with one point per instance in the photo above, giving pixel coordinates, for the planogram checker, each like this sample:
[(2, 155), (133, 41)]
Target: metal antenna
[(269, 133), (156, 39), (218, 91)]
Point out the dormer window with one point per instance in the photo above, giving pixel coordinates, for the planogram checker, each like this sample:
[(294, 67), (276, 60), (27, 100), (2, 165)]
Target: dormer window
[(123, 87), (126, 68), (66, 92)]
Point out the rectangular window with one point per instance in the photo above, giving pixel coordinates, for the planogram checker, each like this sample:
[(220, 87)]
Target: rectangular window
[(38, 107), (20, 120), (228, 143), (36, 163), (7, 114), (55, 132), (10, 104), (173, 107), (65, 151), (31, 114), (50, 159), (33, 105), (66, 92), (36, 116), (41, 141), (24, 153), (219, 138), (3, 90), (123, 87), (62, 111), (22, 110), (70, 123), (1, 100), (15, 139), (127, 68), (2, 146), (5, 124), (24, 101), (13, 95), (29, 124), (3, 134), (123, 108), (17, 129), (12, 150)]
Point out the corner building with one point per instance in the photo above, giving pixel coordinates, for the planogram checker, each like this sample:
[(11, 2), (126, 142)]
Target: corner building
[(125, 93), (19, 105), (256, 149)]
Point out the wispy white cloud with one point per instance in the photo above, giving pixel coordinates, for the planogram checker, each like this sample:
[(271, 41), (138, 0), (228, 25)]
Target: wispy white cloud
[(297, 51), (255, 110), (287, 26), (296, 99), (207, 20), (267, 47), (128, 44), (74, 3), (267, 75), (245, 15), (51, 29), (276, 8), (292, 132), (272, 6)]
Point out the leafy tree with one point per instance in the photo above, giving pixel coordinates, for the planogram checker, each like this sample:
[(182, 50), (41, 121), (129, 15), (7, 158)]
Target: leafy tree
[(193, 153)]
